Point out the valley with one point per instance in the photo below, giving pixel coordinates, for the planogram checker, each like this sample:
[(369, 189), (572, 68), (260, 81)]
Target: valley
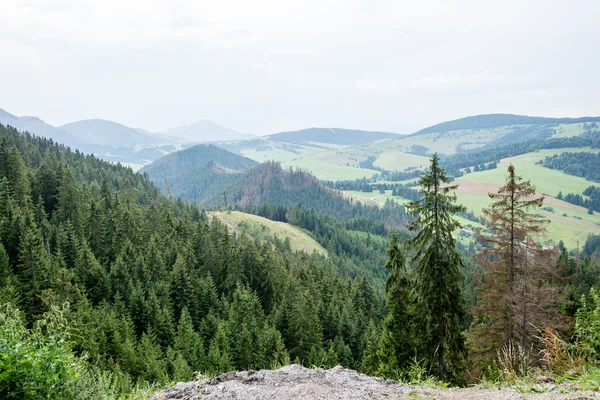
[(263, 252)]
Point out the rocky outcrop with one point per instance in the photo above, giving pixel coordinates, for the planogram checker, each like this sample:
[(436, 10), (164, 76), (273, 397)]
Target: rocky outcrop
[(291, 382)]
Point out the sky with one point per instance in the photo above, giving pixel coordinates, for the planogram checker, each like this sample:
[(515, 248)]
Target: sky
[(265, 66)]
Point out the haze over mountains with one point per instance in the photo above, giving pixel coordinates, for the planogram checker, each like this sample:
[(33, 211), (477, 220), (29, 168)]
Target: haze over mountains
[(120, 143)]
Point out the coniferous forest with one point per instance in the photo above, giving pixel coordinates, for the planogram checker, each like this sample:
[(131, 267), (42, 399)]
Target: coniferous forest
[(109, 288)]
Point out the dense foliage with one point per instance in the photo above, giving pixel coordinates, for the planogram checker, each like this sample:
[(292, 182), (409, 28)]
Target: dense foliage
[(156, 290), (199, 173), (583, 164), (355, 246), (592, 202)]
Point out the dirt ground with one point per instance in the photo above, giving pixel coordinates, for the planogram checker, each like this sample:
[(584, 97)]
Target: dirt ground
[(295, 382)]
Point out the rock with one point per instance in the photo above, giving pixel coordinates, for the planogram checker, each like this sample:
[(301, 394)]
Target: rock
[(181, 391), (542, 379), (293, 382)]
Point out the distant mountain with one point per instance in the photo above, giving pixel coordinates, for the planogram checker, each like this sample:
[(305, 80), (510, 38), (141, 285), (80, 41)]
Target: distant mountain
[(206, 131), (486, 121), (109, 133), (345, 137), (37, 127), (198, 173)]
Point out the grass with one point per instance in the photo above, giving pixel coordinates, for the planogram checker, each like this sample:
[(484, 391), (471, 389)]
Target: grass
[(277, 151), (573, 229), (329, 171), (265, 229), (568, 130), (395, 160), (547, 181), (375, 196)]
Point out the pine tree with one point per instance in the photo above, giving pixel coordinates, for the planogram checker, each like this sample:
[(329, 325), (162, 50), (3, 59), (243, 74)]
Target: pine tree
[(6, 273), (70, 200), (33, 271), (438, 277), (17, 176), (219, 353), (304, 327), (186, 337), (397, 339), (520, 276), (151, 361)]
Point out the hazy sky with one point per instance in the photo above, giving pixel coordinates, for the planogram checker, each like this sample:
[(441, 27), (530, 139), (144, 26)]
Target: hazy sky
[(264, 66)]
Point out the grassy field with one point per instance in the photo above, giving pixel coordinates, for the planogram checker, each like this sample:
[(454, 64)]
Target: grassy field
[(572, 228), (547, 181), (569, 222), (568, 130), (336, 162), (329, 171), (277, 151), (265, 230), (375, 196)]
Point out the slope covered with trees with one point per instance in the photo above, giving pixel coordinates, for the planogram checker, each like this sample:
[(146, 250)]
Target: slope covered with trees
[(144, 289), (585, 165), (106, 284), (199, 173)]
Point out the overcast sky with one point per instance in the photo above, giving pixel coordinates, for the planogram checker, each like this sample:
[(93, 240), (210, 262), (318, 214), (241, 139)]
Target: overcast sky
[(263, 66)]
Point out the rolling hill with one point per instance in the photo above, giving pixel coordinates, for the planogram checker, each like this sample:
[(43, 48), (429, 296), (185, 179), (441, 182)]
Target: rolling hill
[(199, 173), (569, 222), (328, 136), (38, 127), (328, 155), (109, 133), (116, 142), (266, 230)]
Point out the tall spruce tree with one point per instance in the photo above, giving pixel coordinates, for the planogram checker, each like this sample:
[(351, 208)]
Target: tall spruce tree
[(397, 340), (438, 276), (18, 177)]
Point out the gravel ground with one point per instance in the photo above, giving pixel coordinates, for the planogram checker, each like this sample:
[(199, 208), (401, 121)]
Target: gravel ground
[(295, 382)]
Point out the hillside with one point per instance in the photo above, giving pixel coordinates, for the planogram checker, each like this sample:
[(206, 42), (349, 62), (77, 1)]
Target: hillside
[(199, 173), (109, 133), (337, 136), (570, 223), (37, 127), (373, 153), (486, 121), (265, 230), (157, 288), (106, 139)]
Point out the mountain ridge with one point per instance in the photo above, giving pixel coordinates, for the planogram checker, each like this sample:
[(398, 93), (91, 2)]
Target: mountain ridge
[(482, 121)]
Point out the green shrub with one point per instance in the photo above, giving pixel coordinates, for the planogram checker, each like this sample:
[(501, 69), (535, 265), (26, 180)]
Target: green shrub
[(35, 363), (587, 327)]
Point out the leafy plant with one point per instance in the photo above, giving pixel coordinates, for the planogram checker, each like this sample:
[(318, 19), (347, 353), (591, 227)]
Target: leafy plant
[(36, 363)]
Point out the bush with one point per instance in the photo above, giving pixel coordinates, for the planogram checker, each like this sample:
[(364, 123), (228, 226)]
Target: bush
[(36, 363), (587, 327)]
